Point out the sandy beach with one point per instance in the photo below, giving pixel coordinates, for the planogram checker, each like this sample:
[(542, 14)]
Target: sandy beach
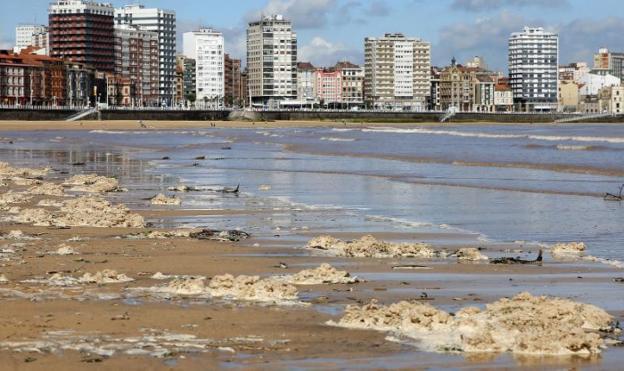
[(93, 284)]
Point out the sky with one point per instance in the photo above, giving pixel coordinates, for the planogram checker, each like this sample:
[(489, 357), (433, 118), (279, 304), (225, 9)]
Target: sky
[(333, 30)]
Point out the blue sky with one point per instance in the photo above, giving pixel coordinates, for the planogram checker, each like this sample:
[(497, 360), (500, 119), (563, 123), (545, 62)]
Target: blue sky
[(331, 30)]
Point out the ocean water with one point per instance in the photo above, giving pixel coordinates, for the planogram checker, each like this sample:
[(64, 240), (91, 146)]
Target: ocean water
[(496, 183)]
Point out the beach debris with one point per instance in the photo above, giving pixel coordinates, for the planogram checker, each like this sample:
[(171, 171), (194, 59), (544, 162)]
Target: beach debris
[(92, 183), (231, 190), (162, 199), (524, 324), (281, 265), (325, 274), (224, 236), (370, 247), (618, 280), (151, 343), (568, 250), (618, 197), (85, 211), (183, 188), (47, 189), (252, 288), (507, 260), (200, 158), (470, 254)]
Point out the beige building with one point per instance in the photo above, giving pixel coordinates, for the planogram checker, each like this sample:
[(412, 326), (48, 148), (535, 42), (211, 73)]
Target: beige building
[(397, 72), (611, 99), (503, 96), (569, 96), (467, 89)]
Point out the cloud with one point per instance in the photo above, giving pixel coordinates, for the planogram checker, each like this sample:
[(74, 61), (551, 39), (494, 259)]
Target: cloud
[(303, 13), (489, 5), (579, 39), (325, 53)]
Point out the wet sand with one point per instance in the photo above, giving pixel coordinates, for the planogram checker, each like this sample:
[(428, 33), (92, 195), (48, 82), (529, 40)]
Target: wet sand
[(242, 334)]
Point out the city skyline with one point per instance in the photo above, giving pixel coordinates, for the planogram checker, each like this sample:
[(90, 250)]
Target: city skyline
[(456, 28)]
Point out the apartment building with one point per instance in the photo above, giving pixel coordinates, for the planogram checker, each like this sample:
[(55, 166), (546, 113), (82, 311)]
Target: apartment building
[(611, 99), (82, 31), (328, 86), (206, 47), (305, 82), (24, 35), (608, 62), (163, 22), (232, 70), (272, 61), (397, 72), (352, 77), (533, 69)]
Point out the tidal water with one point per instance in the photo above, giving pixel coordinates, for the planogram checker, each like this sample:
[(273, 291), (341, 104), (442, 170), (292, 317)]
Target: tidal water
[(511, 183)]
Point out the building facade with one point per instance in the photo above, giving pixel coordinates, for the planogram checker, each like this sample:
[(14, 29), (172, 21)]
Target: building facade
[(163, 22), (503, 96), (272, 61), (592, 83), (233, 96), (178, 91), (41, 42), (305, 83), (137, 64), (533, 69), (611, 99), (352, 77), (82, 31), (80, 79), (569, 96), (190, 81), (397, 72), (328, 86), (24, 35), (206, 47), (608, 62)]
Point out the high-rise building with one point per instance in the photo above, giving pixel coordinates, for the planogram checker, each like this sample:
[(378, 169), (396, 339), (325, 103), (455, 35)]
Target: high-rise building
[(41, 42), (162, 22), (232, 81), (24, 35), (272, 60), (206, 46), (397, 72), (533, 69), (608, 62), (190, 80), (136, 63), (82, 31)]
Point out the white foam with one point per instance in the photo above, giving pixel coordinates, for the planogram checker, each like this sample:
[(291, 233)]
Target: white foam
[(334, 139), (550, 138)]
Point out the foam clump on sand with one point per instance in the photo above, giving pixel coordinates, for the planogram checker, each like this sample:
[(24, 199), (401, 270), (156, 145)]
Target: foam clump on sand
[(252, 288), (370, 247), (104, 277), (162, 199), (470, 254), (161, 235), (91, 183), (17, 235), (83, 212), (3, 279), (64, 250), (568, 249), (47, 189), (524, 324), (184, 286), (11, 197), (325, 274), (10, 171), (50, 203)]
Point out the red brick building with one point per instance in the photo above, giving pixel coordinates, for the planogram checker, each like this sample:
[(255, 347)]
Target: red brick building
[(82, 31)]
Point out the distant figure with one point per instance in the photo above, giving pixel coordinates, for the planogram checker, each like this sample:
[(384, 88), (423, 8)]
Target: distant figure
[(142, 125)]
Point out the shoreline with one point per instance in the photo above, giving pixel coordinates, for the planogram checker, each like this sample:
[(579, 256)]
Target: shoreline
[(124, 125)]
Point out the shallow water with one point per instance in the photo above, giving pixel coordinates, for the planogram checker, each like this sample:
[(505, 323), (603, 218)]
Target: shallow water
[(499, 183)]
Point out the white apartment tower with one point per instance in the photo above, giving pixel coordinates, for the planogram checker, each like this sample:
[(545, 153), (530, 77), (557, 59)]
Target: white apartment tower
[(272, 60), (206, 47), (162, 22), (533, 69), (397, 72), (24, 35)]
